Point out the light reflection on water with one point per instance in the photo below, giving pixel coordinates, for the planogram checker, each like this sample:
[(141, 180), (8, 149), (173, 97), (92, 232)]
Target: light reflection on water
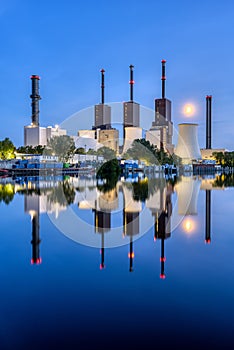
[(176, 237)]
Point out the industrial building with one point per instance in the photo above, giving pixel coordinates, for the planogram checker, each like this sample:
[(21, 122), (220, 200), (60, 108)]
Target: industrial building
[(109, 138), (161, 132), (131, 109), (207, 153), (102, 117), (131, 118), (34, 134)]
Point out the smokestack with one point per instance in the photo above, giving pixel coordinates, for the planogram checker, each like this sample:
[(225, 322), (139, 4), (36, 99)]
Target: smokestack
[(103, 86), (35, 100), (208, 121), (131, 82), (163, 77)]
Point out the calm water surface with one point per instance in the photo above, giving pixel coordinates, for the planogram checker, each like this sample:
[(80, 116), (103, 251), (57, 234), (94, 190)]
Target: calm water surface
[(147, 264)]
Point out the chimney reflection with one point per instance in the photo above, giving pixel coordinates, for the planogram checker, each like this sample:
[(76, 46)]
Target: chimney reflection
[(162, 226), (36, 259), (131, 222), (102, 225), (208, 216), (32, 207), (104, 204)]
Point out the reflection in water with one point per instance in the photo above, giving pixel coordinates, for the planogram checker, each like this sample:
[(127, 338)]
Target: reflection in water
[(36, 259), (162, 227), (131, 224), (189, 225), (129, 198), (208, 216)]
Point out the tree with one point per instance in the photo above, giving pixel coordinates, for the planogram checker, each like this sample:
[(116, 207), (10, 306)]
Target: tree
[(7, 149), (80, 150), (61, 146), (109, 171), (106, 152), (31, 150), (7, 193), (145, 151), (225, 159)]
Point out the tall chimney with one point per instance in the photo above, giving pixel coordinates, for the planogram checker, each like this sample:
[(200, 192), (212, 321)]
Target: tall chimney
[(103, 86), (35, 100), (163, 77), (131, 82), (208, 121)]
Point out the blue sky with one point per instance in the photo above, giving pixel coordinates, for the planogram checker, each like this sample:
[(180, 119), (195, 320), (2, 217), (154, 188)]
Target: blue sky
[(68, 42)]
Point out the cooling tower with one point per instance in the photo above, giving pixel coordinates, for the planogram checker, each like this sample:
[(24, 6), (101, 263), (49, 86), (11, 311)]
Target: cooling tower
[(131, 134), (187, 145)]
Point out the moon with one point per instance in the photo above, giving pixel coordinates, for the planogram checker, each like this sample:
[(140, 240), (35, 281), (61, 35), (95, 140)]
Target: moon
[(189, 109)]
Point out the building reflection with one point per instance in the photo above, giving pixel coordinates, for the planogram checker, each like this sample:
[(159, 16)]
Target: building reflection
[(128, 199), (162, 226), (32, 207), (39, 198), (208, 216), (131, 218)]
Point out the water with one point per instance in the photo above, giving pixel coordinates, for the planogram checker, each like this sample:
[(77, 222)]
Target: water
[(162, 276)]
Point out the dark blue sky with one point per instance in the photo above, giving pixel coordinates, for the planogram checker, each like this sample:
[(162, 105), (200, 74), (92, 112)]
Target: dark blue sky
[(68, 42)]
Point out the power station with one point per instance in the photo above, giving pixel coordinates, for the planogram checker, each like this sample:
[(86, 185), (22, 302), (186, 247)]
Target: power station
[(34, 134), (102, 133), (161, 132)]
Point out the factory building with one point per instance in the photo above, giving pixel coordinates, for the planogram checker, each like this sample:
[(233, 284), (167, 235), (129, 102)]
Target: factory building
[(161, 131), (102, 112), (207, 153), (34, 134), (86, 133), (104, 133), (109, 138), (131, 109), (131, 117), (37, 135)]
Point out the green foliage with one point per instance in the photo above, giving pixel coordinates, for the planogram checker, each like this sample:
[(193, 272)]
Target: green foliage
[(225, 159), (141, 190), (80, 150), (92, 152), (31, 150), (145, 151), (109, 171), (106, 152), (61, 146), (7, 193), (64, 194), (7, 149), (226, 180)]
